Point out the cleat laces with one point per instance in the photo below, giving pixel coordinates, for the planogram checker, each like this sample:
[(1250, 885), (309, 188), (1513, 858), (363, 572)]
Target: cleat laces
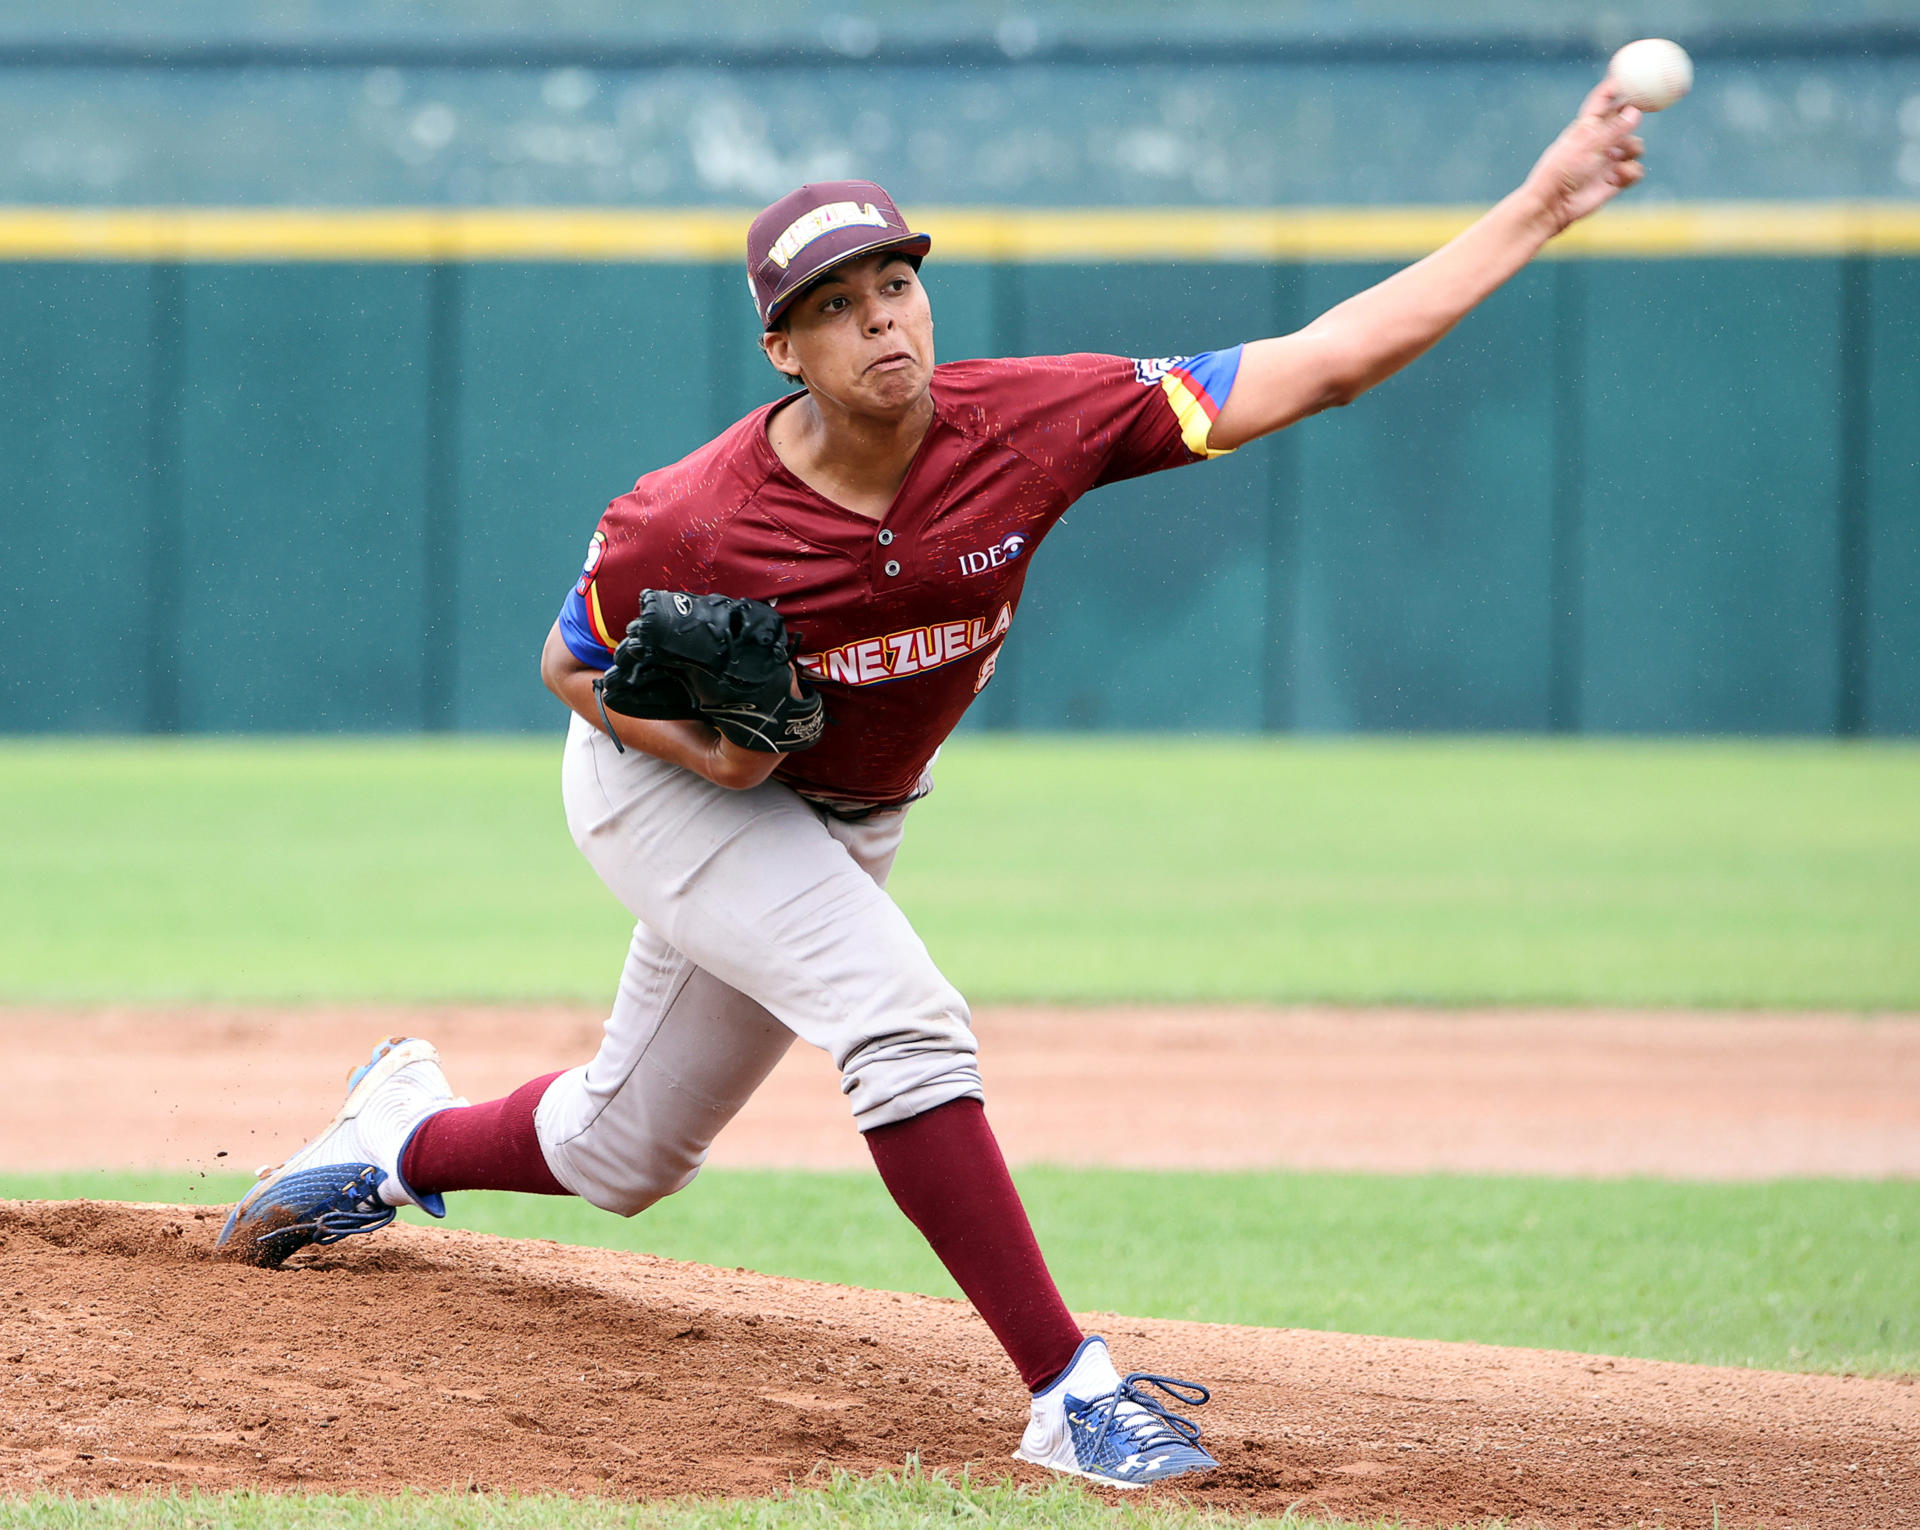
[(1129, 1422), (355, 1207)]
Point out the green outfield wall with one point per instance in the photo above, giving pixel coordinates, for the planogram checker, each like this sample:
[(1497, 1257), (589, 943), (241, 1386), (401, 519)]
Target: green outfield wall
[(1640, 491)]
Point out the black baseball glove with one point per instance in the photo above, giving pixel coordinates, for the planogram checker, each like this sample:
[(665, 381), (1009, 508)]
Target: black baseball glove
[(716, 658)]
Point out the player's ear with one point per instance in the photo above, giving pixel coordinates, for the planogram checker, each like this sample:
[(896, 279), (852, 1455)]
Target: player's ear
[(778, 350)]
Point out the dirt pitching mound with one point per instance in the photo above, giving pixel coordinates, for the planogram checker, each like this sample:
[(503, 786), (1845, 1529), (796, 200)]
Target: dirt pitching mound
[(130, 1358)]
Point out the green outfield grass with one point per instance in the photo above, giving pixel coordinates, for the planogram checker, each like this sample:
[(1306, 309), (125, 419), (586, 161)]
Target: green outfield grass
[(1806, 1275), (909, 1499), (1445, 871)]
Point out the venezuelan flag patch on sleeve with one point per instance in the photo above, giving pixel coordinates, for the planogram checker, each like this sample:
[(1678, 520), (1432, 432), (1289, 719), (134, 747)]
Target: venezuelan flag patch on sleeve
[(1197, 388)]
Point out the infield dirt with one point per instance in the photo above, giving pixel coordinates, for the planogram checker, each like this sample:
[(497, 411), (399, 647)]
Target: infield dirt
[(131, 1358), (1697, 1096)]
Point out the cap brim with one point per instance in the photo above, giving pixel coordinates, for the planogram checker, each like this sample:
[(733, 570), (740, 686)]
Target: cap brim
[(907, 244)]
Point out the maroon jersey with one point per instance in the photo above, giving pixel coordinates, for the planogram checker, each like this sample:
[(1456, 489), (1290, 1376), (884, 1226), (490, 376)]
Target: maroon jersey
[(899, 620)]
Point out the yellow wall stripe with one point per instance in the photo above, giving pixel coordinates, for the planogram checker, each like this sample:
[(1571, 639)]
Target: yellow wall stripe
[(961, 233)]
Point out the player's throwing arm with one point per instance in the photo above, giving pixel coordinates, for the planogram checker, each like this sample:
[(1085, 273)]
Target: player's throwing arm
[(1375, 333)]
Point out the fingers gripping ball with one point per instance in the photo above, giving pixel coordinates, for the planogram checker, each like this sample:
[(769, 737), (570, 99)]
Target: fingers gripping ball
[(723, 660), (1652, 73)]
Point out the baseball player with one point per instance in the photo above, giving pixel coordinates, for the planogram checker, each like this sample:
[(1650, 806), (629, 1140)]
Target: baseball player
[(766, 647)]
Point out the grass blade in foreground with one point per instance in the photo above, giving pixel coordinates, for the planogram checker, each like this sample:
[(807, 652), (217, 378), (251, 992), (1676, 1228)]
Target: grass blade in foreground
[(906, 1500)]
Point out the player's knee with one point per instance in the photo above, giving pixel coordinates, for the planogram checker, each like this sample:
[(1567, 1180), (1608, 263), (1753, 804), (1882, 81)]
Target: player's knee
[(630, 1195), (612, 1165), (901, 1073)]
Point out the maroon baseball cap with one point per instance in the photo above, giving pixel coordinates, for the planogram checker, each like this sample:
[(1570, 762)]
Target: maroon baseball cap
[(808, 232)]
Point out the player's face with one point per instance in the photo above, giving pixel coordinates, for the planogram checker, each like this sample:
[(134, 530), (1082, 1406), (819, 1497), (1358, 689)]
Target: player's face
[(862, 336)]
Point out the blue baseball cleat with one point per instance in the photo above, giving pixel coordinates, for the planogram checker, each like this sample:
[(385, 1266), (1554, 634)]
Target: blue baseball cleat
[(347, 1180), (1094, 1423)]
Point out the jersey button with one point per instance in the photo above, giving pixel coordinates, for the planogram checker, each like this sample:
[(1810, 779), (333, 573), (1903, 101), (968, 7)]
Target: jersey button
[(893, 568), (886, 539)]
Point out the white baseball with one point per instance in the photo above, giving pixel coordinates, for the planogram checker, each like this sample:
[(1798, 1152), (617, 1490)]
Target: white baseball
[(1652, 73)]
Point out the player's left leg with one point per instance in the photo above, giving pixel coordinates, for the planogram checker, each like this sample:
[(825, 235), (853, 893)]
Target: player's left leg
[(680, 1055), (346, 1180)]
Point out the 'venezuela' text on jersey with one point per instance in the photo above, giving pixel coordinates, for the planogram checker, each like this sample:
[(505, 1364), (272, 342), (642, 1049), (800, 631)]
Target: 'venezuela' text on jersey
[(899, 620)]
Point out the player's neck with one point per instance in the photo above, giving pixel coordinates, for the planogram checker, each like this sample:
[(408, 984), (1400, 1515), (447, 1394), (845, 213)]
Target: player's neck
[(856, 460)]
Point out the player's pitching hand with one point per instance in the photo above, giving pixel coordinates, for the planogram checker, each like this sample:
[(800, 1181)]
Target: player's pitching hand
[(1592, 162)]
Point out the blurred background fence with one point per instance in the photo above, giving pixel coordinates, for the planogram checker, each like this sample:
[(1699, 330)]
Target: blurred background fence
[(310, 433)]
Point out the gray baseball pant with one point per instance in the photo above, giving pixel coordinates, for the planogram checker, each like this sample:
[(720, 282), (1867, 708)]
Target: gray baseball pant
[(760, 918)]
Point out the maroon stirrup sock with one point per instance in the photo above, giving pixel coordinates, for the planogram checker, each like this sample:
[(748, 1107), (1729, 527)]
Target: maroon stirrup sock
[(481, 1147), (945, 1171)]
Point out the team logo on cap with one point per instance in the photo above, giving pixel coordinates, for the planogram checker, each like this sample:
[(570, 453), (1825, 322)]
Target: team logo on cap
[(823, 220)]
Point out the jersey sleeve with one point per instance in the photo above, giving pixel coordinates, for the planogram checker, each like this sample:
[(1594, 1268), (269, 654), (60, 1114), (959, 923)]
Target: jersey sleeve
[(1094, 419), (583, 619), (1196, 390), (641, 543)]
